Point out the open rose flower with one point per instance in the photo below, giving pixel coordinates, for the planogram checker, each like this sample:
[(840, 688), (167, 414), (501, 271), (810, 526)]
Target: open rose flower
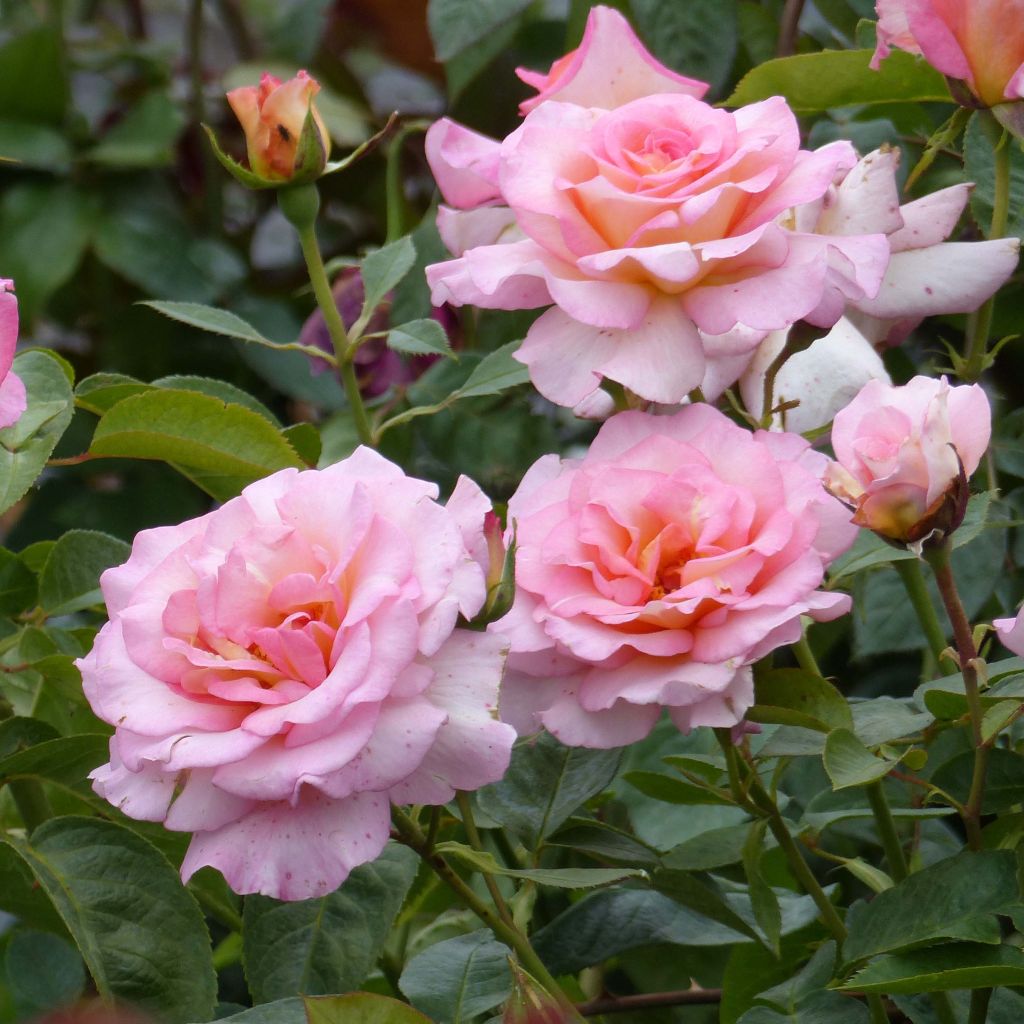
[(656, 230), (12, 390), (285, 136), (280, 669), (1011, 632), (903, 455), (610, 67), (651, 574), (980, 42)]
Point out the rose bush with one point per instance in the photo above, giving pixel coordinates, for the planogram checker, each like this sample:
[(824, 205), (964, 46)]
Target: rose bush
[(903, 455), (280, 669), (655, 570)]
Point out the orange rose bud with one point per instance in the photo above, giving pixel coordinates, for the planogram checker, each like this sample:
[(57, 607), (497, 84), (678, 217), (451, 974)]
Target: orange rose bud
[(286, 138)]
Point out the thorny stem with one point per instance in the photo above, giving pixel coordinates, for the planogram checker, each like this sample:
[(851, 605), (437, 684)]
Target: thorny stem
[(939, 559), (411, 835), (336, 329), (917, 591), (469, 823), (981, 323)]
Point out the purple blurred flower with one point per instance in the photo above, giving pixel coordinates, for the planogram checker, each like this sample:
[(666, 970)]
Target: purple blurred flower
[(378, 368)]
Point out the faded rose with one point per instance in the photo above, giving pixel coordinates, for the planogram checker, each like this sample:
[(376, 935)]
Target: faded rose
[(903, 455), (281, 669), (654, 571), (12, 390)]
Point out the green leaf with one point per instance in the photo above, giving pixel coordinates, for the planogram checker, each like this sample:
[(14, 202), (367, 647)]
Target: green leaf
[(544, 784), (686, 890), (605, 842), (816, 1008), (139, 931), (712, 849), (209, 318), (849, 763), (940, 969), (698, 38), (456, 25), (221, 447), (70, 580), (454, 980), (419, 338), (17, 584), (790, 696), (33, 78), (306, 440), (838, 78), (933, 903), (25, 446), (357, 1008), (45, 227), (673, 790), (325, 945), (763, 900), (383, 269), (100, 391), (221, 389), (1004, 779), (558, 878), (811, 978), (144, 137), (34, 145), (65, 761), (496, 372), (43, 971), (979, 167)]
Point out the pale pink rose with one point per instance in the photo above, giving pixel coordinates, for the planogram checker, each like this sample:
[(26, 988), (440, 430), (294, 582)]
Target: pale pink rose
[(654, 571), (899, 452), (660, 232), (12, 390), (978, 41), (272, 115), (926, 275), (609, 68), (281, 669), (1011, 632)]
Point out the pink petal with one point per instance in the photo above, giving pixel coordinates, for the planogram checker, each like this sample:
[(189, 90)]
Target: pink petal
[(464, 163)]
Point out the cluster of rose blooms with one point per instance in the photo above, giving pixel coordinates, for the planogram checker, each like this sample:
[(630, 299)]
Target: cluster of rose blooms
[(284, 668)]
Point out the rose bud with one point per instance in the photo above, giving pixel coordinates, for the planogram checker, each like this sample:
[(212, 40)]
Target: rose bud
[(530, 1004), (903, 456), (285, 136)]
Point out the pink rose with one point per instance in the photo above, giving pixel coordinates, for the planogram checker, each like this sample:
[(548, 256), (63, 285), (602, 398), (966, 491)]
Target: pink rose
[(660, 233), (280, 669), (978, 41), (1011, 632), (12, 390), (903, 455), (610, 67), (655, 570), (273, 117)]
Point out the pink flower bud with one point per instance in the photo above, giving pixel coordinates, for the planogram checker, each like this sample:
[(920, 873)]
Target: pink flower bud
[(530, 1004), (285, 136), (904, 455), (12, 390)]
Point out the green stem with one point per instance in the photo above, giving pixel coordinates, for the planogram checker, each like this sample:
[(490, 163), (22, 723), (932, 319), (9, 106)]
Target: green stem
[(394, 197), (939, 559), (805, 656), (898, 867), (979, 1005), (981, 323), (909, 570), (335, 328), (410, 834), (469, 823)]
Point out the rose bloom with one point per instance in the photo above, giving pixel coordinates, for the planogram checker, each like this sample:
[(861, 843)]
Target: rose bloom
[(654, 571), (903, 455), (280, 669), (609, 67), (272, 116), (980, 42), (12, 390)]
